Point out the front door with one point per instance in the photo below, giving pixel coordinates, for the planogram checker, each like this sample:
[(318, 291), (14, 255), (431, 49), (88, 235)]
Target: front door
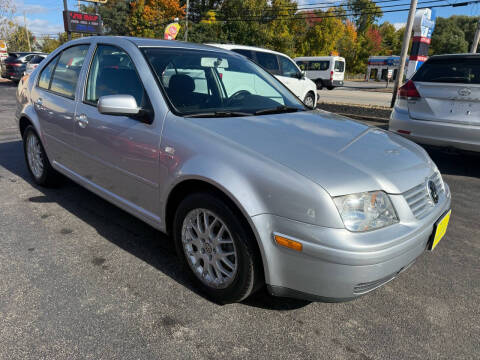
[(118, 155), (289, 75)]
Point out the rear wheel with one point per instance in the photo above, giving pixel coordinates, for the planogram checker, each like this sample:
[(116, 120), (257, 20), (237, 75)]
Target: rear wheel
[(319, 84), (37, 161), (330, 87), (215, 248)]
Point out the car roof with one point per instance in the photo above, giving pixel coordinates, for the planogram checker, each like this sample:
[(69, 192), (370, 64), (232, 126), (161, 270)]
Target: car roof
[(456, 56), (245, 47), (147, 42)]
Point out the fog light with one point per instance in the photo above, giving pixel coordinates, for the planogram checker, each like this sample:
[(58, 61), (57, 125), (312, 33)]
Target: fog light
[(288, 243)]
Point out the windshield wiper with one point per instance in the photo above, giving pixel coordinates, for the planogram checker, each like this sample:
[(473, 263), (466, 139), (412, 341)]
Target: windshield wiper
[(277, 110), (218, 114)]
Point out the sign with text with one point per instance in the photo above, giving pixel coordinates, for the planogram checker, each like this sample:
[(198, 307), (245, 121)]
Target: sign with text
[(82, 23)]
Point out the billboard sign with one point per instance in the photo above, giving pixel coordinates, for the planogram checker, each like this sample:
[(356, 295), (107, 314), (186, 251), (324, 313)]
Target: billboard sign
[(78, 22)]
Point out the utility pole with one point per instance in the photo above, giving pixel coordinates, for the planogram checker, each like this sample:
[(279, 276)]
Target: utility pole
[(65, 7), (403, 55), (26, 31), (186, 22), (473, 49)]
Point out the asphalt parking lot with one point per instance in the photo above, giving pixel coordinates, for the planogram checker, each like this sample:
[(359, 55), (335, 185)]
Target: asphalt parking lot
[(81, 279)]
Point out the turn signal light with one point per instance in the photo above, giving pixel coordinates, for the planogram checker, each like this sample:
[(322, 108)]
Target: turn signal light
[(408, 91), (288, 243)]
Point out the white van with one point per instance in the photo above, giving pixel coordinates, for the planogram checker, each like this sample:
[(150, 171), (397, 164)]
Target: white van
[(282, 67), (325, 71)]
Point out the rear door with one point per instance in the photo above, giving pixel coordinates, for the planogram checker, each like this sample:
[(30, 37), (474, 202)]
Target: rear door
[(449, 89), (338, 70), (54, 101)]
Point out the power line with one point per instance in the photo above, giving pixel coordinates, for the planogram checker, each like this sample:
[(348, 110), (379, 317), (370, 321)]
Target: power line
[(329, 15)]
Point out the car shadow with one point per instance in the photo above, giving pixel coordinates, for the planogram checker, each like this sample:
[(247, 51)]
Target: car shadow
[(121, 228), (453, 162)]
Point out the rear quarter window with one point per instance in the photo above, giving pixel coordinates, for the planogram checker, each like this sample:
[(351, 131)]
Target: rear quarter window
[(319, 65), (448, 70), (339, 66)]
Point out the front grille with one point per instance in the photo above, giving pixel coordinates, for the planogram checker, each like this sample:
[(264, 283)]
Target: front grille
[(418, 197)]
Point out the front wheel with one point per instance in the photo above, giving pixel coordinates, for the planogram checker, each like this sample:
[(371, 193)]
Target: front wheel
[(330, 87), (309, 100), (215, 248)]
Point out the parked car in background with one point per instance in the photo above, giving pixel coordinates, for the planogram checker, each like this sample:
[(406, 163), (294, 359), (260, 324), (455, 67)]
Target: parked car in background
[(14, 66), (34, 62), (253, 187), (282, 67), (325, 71), (440, 104)]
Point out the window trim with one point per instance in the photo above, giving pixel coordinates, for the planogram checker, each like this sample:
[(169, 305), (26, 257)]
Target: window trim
[(57, 56), (87, 75)]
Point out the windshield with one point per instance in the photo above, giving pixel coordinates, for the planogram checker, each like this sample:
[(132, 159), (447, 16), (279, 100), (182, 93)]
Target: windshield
[(207, 82)]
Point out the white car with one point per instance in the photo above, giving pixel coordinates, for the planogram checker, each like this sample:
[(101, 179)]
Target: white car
[(325, 71), (282, 67), (34, 62), (439, 105)]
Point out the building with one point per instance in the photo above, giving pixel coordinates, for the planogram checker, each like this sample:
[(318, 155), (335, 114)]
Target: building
[(378, 66)]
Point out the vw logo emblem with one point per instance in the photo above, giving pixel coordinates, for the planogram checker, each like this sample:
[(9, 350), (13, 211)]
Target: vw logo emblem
[(432, 191), (464, 92)]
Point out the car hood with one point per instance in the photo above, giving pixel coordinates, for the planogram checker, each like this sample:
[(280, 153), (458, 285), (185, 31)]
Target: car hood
[(341, 155)]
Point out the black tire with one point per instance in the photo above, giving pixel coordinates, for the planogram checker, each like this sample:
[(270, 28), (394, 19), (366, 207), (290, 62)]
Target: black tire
[(319, 84), (249, 273), (309, 99), (330, 87), (49, 177)]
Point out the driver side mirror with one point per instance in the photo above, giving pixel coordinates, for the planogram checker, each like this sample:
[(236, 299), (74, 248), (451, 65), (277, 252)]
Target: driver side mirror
[(300, 75), (118, 105), (124, 105)]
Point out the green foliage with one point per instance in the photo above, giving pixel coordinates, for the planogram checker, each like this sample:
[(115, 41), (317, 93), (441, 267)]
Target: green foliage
[(365, 13), (17, 39), (453, 34)]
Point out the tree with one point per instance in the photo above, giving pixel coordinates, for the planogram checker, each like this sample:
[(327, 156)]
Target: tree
[(364, 13), (448, 38), (198, 9), (348, 46), (148, 18), (323, 36), (114, 15), (17, 39), (7, 10)]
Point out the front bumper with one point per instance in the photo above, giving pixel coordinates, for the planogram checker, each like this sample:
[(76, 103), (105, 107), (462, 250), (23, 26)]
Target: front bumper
[(336, 264), (459, 136)]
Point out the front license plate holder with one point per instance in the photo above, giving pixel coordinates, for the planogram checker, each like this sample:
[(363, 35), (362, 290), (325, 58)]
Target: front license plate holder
[(439, 230)]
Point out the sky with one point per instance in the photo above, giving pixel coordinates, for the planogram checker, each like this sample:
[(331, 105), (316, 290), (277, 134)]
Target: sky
[(44, 17)]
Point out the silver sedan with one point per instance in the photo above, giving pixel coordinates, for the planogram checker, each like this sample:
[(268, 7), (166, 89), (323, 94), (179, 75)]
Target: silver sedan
[(254, 187)]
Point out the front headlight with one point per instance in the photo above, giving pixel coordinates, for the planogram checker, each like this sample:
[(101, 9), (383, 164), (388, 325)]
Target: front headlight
[(366, 211)]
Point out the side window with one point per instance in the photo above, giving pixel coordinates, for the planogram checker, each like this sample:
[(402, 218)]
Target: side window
[(247, 53), (319, 65), (302, 65), (268, 61), (288, 68), (64, 80), (46, 74), (113, 73)]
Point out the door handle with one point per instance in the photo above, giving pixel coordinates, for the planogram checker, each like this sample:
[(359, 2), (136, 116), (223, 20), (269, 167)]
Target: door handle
[(82, 120)]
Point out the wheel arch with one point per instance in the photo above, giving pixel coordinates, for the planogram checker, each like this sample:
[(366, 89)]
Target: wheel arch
[(191, 185)]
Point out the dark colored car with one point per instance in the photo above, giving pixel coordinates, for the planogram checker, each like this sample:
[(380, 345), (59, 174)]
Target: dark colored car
[(14, 66)]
